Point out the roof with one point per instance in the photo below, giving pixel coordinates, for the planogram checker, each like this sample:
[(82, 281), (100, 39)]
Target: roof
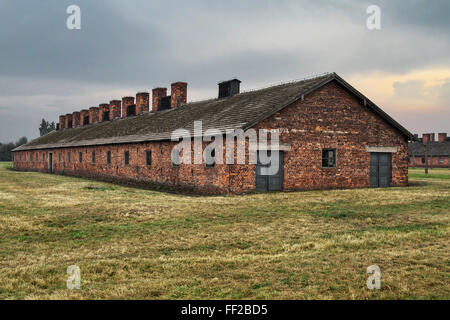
[(418, 149), (240, 111)]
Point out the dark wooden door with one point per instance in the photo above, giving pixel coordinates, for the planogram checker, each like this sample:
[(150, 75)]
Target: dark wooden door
[(269, 182), (50, 162), (380, 170)]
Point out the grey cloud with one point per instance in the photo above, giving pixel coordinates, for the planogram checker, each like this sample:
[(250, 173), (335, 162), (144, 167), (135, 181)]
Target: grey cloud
[(141, 44)]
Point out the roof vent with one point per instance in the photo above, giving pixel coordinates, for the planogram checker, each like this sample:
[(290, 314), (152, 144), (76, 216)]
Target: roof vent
[(229, 88)]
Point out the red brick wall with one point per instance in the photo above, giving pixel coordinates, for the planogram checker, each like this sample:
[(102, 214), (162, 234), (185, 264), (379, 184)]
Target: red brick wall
[(178, 94), (103, 109), (328, 118), (142, 102), (433, 162), (93, 115), (126, 102), (115, 109), (76, 118), (157, 94)]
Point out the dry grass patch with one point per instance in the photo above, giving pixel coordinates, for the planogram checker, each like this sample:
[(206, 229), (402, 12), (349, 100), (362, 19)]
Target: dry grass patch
[(139, 244)]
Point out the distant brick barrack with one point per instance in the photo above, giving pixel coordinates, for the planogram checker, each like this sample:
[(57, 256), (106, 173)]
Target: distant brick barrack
[(331, 136)]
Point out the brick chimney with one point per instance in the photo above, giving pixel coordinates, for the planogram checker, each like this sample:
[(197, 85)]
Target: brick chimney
[(229, 88), (68, 121), (126, 102), (76, 119), (442, 137), (93, 115), (62, 122), (104, 112), (115, 109), (142, 102), (84, 120), (178, 94), (426, 137), (158, 94)]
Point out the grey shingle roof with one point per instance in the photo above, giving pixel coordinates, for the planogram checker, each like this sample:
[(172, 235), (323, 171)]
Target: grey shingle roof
[(238, 112), (418, 149)]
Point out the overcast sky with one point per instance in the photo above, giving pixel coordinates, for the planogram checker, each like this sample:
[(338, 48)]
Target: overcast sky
[(128, 46)]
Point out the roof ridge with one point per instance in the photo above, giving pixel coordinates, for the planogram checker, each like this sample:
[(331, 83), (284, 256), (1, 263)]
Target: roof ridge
[(270, 86)]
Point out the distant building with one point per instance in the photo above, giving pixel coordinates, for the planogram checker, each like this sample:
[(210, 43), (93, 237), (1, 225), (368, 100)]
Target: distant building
[(437, 152), (331, 136)]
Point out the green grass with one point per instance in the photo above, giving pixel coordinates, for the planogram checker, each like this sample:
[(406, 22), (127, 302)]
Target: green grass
[(442, 174), (140, 244)]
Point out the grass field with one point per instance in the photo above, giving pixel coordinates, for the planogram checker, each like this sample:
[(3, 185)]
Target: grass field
[(138, 244)]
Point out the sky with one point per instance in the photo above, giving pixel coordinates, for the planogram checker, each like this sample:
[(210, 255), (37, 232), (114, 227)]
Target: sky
[(124, 47)]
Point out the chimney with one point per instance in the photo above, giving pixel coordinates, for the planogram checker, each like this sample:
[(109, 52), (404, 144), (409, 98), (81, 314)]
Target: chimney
[(126, 103), (93, 115), (142, 102), (178, 94), (62, 122), (104, 112), (416, 136), (68, 121), (442, 137), (158, 94), (229, 88), (115, 109), (76, 116), (432, 137), (84, 121)]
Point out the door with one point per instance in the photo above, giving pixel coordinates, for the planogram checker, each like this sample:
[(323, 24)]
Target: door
[(380, 170), (50, 162), (269, 181)]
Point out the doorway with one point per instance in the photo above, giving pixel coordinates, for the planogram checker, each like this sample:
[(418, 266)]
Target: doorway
[(380, 170)]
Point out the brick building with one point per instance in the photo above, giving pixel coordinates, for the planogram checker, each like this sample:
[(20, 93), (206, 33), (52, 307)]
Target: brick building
[(427, 149), (331, 136)]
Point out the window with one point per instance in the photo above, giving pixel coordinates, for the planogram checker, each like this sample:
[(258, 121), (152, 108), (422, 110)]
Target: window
[(59, 157), (93, 157), (37, 156), (86, 120), (127, 157), (148, 156), (329, 158), (68, 157), (441, 160), (423, 160), (105, 116), (211, 158), (108, 157), (176, 158), (43, 157), (80, 157)]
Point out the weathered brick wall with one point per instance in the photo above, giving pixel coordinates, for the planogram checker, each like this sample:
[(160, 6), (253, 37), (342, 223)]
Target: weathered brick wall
[(161, 171), (433, 162), (328, 118)]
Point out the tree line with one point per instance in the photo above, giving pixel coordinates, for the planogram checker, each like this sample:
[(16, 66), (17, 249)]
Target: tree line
[(6, 148)]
